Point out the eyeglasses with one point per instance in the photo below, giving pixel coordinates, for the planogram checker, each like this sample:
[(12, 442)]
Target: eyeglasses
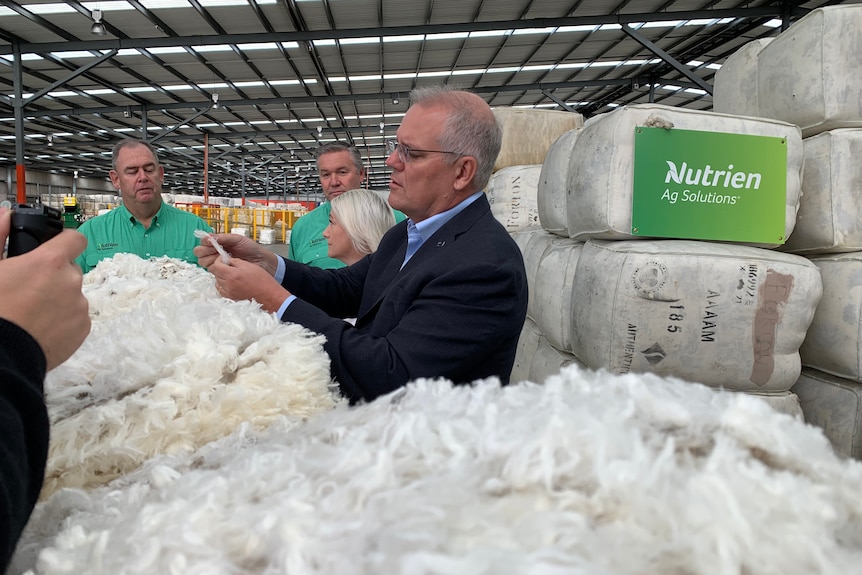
[(405, 153)]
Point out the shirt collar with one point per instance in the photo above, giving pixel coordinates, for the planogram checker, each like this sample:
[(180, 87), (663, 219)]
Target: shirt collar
[(428, 227), (134, 220)]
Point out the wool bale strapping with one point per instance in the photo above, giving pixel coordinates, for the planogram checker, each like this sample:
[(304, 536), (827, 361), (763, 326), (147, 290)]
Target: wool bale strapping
[(601, 173), (551, 190), (830, 213), (833, 343), (735, 85), (512, 195), (482, 479), (529, 133), (720, 314), (834, 404), (811, 74), (169, 365)]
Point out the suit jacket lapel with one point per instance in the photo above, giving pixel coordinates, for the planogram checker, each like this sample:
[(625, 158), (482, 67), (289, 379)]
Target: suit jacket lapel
[(433, 247)]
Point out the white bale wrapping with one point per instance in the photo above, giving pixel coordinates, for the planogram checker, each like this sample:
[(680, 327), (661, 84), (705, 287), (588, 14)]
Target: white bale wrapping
[(735, 85), (830, 213), (811, 74), (588, 473), (601, 173), (786, 402), (529, 133), (168, 366), (528, 342), (834, 341), (551, 191), (533, 241), (548, 361), (536, 359), (833, 404), (552, 302), (720, 314), (512, 194)]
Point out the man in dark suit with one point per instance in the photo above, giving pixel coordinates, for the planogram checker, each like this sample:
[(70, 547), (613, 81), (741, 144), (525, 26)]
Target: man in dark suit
[(445, 294)]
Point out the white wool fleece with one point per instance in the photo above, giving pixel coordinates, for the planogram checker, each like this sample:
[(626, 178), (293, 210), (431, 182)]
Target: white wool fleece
[(590, 473), (169, 366)]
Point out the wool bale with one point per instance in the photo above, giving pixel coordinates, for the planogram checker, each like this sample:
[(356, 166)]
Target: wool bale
[(787, 402), (833, 404), (833, 343), (811, 74), (437, 478), (735, 85), (532, 241), (552, 301), (601, 173), (528, 342), (169, 366), (551, 190), (512, 193), (548, 360), (830, 214), (529, 133), (535, 358), (724, 315)]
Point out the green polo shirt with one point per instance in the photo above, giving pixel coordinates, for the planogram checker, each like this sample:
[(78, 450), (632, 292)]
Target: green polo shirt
[(307, 244), (171, 233)]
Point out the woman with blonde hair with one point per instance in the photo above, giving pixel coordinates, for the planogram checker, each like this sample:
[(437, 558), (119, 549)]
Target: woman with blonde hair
[(357, 221)]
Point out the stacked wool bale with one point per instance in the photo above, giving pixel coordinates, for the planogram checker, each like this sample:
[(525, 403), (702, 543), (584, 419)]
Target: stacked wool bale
[(169, 366), (527, 136), (811, 75), (588, 473), (727, 315)]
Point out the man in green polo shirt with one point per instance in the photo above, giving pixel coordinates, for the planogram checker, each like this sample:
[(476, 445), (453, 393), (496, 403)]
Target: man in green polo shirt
[(340, 169), (143, 224)]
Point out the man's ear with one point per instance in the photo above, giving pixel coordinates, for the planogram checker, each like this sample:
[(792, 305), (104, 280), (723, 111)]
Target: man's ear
[(466, 170), (114, 179)]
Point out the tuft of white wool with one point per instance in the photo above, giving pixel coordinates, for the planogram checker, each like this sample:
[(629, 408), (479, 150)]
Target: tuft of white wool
[(589, 473), (169, 366)]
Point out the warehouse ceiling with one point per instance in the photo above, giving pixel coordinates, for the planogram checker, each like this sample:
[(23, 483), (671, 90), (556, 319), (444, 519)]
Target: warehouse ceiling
[(249, 88)]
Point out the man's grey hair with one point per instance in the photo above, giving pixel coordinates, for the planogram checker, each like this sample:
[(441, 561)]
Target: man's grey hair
[(131, 143), (330, 147), (466, 131)]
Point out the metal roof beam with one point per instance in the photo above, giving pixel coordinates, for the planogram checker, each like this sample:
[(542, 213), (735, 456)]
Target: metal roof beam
[(312, 35), (678, 66)]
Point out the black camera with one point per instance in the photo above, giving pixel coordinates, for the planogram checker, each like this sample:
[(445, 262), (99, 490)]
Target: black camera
[(32, 224)]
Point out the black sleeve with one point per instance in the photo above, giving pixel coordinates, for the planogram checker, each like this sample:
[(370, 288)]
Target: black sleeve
[(23, 433)]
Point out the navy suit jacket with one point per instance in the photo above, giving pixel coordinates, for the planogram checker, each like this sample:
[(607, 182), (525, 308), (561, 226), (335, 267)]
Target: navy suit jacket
[(454, 311)]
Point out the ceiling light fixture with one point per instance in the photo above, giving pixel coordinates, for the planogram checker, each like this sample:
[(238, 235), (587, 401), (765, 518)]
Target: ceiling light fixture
[(215, 100), (395, 100), (319, 130), (97, 28), (50, 140)]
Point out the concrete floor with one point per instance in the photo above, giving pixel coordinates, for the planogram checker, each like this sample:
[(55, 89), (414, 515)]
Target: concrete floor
[(279, 248)]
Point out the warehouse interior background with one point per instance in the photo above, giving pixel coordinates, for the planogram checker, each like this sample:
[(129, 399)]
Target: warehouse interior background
[(245, 90)]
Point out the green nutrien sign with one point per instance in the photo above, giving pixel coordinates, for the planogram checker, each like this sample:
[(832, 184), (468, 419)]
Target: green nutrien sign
[(709, 185)]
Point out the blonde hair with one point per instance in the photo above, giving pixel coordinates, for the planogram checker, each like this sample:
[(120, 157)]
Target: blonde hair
[(365, 216)]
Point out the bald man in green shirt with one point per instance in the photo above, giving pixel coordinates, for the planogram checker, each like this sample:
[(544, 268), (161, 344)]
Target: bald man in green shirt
[(143, 225)]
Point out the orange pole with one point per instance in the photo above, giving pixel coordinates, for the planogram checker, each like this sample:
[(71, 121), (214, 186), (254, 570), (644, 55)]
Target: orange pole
[(21, 182), (206, 164)]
